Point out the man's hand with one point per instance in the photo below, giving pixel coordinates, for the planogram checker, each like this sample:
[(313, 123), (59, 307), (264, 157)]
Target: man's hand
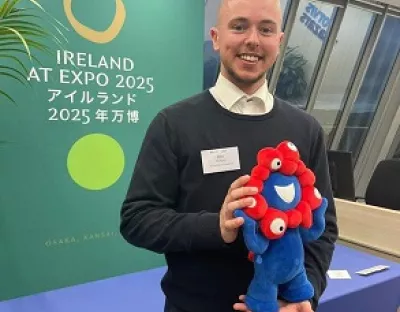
[(241, 306), (235, 199), (304, 306)]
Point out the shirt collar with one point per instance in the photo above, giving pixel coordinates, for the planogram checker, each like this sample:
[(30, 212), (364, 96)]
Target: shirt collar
[(229, 94)]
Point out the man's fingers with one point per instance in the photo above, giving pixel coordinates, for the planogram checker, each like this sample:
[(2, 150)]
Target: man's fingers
[(236, 189), (240, 307), (241, 203), (233, 224), (239, 182), (295, 307), (242, 192)]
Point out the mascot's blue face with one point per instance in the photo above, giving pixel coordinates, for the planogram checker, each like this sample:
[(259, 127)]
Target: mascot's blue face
[(282, 192)]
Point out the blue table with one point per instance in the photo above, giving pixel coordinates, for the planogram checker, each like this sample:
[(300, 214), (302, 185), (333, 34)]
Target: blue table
[(141, 291), (379, 292)]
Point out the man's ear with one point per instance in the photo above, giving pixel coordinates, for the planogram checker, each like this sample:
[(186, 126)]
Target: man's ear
[(282, 36), (214, 38)]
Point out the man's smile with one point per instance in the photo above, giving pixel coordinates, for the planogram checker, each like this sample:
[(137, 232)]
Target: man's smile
[(250, 57)]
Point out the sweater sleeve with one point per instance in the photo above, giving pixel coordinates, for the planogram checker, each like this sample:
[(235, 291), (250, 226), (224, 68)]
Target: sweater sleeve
[(318, 253), (149, 217)]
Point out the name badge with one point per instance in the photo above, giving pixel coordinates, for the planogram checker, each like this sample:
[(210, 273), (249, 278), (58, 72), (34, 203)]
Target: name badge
[(220, 160)]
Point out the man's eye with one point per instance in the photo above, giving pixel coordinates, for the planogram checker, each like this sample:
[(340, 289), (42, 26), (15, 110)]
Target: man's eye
[(238, 27), (266, 30)]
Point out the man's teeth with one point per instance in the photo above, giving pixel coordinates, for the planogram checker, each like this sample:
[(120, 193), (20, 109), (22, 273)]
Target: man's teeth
[(249, 58)]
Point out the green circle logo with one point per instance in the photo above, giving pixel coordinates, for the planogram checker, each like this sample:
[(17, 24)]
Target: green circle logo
[(96, 161)]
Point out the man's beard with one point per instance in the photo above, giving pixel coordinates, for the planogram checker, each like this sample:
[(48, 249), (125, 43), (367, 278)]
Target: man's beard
[(241, 81)]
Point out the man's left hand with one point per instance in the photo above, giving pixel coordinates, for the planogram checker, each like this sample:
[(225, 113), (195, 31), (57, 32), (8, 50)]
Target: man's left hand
[(304, 306)]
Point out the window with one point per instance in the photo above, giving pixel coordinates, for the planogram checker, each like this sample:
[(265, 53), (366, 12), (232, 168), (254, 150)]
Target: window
[(285, 4), (310, 31), (374, 83), (396, 153), (344, 58)]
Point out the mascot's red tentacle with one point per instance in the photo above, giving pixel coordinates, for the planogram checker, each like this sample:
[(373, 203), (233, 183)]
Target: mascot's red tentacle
[(289, 167), (274, 224), (294, 218), (254, 182), (289, 151), (304, 208), (270, 159), (250, 256), (311, 195), (260, 173), (307, 178), (258, 210), (301, 168)]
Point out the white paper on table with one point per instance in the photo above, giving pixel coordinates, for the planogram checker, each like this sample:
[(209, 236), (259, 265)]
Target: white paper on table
[(339, 274)]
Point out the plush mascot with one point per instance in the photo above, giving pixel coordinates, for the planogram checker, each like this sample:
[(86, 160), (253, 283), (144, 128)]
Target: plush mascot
[(287, 212)]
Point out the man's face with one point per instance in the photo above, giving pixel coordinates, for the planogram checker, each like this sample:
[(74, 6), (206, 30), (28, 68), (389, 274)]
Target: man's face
[(248, 37)]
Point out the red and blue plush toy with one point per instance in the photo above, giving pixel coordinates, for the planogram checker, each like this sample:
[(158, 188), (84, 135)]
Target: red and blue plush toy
[(287, 212)]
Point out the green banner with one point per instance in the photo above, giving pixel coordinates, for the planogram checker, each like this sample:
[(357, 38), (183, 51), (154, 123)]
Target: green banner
[(80, 82)]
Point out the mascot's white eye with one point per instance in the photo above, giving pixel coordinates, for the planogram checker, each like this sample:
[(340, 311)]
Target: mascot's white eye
[(276, 164), (292, 146), (278, 226), (317, 193)]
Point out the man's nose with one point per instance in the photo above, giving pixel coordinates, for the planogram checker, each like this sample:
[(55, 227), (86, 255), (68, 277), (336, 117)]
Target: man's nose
[(253, 38)]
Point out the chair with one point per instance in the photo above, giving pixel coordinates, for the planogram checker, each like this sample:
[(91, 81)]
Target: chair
[(341, 174), (383, 189)]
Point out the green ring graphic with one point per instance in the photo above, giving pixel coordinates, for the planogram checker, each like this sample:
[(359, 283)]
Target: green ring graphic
[(96, 161)]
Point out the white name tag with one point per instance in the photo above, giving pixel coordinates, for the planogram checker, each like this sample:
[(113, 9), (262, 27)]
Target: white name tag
[(220, 160)]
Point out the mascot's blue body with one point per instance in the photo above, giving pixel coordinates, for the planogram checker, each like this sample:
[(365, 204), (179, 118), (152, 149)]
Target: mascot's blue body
[(288, 212)]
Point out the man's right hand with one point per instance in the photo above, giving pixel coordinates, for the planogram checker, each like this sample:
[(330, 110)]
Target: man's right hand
[(236, 198)]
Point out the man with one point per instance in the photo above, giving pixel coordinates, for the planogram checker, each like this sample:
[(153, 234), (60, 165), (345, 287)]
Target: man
[(193, 165)]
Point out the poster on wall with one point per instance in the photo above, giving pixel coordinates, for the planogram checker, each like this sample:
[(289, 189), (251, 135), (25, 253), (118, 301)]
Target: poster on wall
[(80, 81)]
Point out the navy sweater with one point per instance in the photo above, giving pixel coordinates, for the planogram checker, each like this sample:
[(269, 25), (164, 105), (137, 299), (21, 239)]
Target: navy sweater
[(172, 208)]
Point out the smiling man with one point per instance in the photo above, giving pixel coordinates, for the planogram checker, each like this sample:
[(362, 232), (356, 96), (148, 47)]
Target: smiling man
[(194, 162), (248, 38)]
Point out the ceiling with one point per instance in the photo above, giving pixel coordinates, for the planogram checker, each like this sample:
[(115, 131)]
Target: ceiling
[(392, 2)]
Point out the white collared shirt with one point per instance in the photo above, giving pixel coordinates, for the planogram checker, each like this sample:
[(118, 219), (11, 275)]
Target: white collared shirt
[(235, 100)]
